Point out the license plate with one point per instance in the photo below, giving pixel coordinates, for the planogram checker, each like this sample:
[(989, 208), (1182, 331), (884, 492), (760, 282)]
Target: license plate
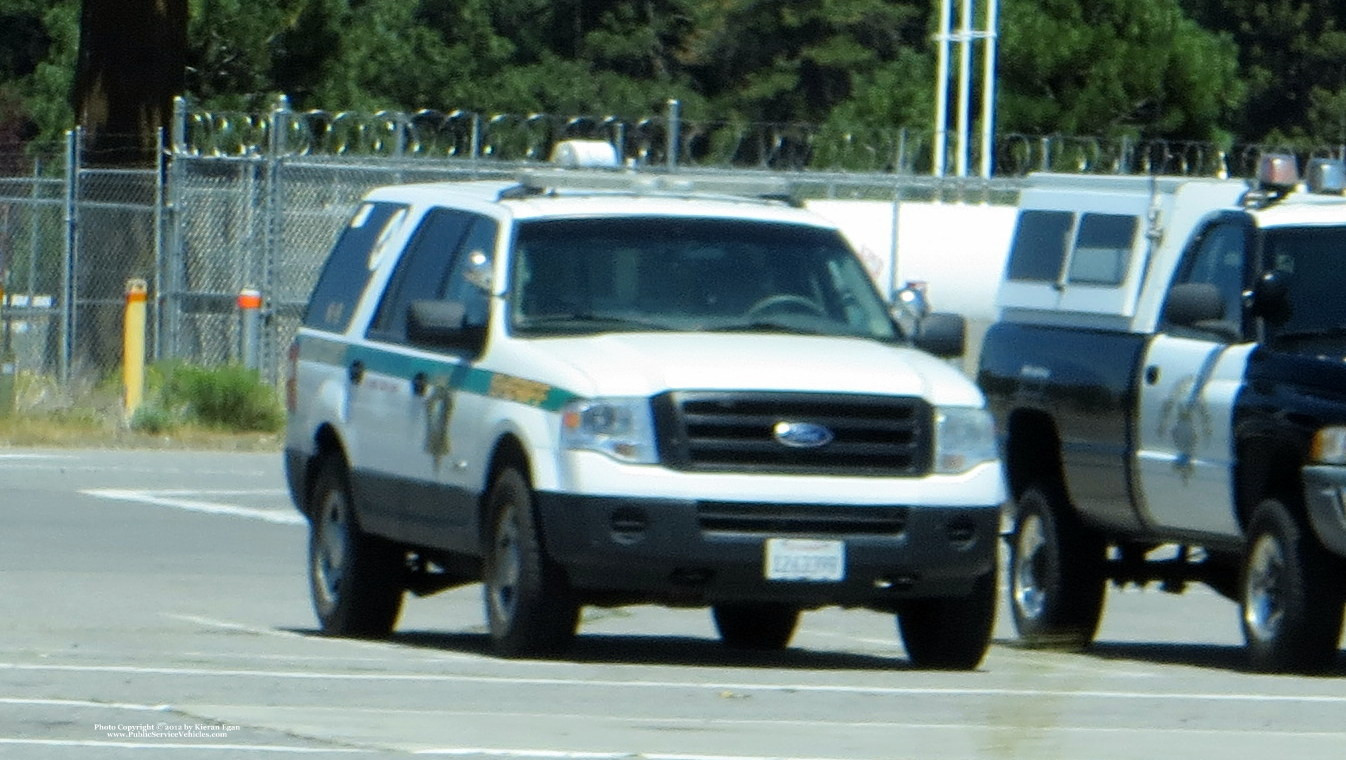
[(804, 559)]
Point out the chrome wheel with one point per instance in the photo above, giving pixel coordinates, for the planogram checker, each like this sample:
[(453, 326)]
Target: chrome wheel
[(1293, 593), (1056, 572), (1030, 596), (1264, 591)]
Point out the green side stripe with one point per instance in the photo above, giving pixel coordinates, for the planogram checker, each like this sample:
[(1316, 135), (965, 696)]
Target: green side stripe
[(452, 375)]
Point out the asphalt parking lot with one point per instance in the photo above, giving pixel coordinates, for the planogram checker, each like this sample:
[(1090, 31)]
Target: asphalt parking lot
[(153, 604)]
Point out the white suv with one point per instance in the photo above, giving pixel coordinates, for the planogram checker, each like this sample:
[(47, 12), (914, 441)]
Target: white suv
[(604, 388)]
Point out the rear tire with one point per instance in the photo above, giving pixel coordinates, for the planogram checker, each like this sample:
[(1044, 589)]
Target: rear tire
[(950, 634), (1057, 575), (1292, 595), (530, 609), (355, 579), (763, 626)]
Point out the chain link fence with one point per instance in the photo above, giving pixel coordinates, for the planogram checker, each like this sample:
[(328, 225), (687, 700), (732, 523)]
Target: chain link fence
[(253, 202)]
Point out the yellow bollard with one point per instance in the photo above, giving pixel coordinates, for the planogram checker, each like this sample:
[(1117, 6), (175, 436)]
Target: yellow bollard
[(133, 345)]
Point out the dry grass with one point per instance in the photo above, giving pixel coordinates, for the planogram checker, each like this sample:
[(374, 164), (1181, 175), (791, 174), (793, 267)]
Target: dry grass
[(42, 431), (46, 414)]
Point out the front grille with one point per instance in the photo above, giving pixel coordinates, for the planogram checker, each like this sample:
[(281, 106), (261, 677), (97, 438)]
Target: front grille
[(800, 519), (735, 432)]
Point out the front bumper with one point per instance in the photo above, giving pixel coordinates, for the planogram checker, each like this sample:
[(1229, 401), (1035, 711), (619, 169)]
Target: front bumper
[(627, 549)]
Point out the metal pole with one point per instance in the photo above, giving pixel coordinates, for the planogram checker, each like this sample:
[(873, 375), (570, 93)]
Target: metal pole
[(171, 290), (942, 88), (674, 132), (72, 140), (33, 240), (160, 174), (988, 86), (178, 139), (964, 87), (275, 233)]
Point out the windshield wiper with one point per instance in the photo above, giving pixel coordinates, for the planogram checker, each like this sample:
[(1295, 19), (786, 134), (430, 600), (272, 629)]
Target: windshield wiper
[(592, 320), (1337, 331), (762, 325)]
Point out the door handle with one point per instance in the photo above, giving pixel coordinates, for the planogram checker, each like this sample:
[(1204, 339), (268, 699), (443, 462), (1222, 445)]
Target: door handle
[(1151, 375), (356, 372), (419, 383)]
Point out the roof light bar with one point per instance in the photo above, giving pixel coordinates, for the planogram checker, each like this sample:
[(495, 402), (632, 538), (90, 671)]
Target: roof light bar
[(584, 154), (1326, 176), (1278, 171), (561, 180)]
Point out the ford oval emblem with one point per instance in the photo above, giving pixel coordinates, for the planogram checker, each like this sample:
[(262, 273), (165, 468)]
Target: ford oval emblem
[(801, 435)]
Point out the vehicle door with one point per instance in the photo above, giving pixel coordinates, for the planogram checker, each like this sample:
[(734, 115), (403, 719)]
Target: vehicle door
[(409, 391), (1188, 382)]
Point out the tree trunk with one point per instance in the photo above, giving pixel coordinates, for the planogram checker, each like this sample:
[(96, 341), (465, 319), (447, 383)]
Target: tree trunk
[(132, 63)]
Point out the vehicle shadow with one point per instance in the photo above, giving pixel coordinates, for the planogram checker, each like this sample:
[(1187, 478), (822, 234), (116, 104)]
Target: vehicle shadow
[(1224, 657), (639, 649)]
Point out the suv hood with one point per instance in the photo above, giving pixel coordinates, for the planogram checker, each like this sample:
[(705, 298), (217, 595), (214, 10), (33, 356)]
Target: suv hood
[(644, 364)]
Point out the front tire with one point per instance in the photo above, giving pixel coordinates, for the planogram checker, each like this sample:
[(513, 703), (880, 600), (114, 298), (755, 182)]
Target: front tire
[(530, 609), (950, 634), (762, 626), (1057, 578), (354, 578), (1292, 595)]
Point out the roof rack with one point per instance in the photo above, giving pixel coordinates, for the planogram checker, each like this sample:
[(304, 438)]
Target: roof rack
[(625, 182)]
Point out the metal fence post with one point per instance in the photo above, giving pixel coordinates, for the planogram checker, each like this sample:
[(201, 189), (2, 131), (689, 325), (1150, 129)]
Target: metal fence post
[(71, 244), (171, 289), (275, 237)]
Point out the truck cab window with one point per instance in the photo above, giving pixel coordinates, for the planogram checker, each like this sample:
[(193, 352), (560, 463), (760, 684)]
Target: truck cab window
[(1219, 259)]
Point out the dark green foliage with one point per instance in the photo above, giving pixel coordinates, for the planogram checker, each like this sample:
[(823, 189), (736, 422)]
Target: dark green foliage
[(1219, 70), (229, 397)]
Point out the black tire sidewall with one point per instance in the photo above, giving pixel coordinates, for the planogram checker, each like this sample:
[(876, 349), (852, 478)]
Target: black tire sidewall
[(1072, 578), (1311, 590), (952, 633), (370, 597), (544, 614)]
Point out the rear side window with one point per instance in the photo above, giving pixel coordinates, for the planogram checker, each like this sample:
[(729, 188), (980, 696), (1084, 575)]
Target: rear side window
[(1102, 249), (1039, 246), (350, 264)]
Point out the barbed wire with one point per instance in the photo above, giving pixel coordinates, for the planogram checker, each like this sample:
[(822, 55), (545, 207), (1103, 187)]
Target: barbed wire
[(666, 140)]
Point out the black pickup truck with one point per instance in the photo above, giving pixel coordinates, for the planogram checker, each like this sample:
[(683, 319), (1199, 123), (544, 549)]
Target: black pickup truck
[(1168, 375)]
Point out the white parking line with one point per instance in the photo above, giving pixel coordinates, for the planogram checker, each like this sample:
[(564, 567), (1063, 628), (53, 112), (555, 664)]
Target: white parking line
[(76, 703), (272, 748), (311, 675), (174, 498)]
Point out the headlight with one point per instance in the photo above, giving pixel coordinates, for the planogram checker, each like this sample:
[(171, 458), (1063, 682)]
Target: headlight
[(1329, 446), (622, 428), (964, 438)]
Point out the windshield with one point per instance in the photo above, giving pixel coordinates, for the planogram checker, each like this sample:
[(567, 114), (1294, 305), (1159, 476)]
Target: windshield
[(690, 274), (1311, 262)]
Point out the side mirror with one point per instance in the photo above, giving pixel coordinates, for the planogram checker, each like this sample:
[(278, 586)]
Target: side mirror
[(443, 324), (1192, 302), (910, 307), (942, 334), (1271, 298), (1200, 306)]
